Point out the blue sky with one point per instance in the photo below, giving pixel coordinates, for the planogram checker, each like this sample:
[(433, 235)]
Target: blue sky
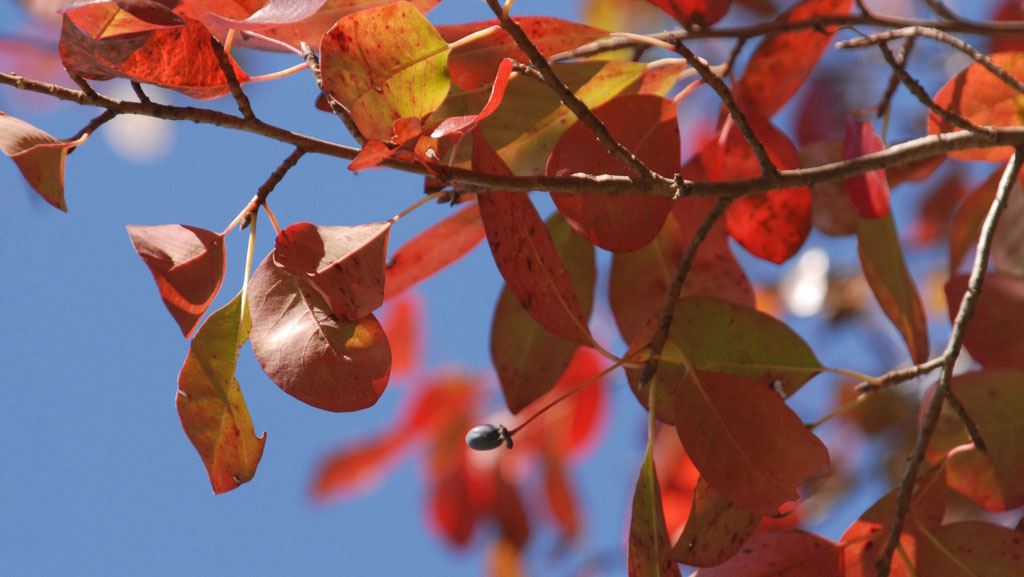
[(97, 474)]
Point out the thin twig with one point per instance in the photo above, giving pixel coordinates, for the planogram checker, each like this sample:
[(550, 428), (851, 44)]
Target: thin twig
[(895, 155), (949, 357), (919, 92), (939, 35), (660, 336), (972, 428), (571, 101), (139, 92), (894, 79), (339, 109), (104, 117), (228, 69), (768, 168), (941, 10), (733, 55), (275, 177)]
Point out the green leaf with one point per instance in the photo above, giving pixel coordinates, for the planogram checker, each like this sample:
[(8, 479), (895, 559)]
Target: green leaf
[(210, 403), (384, 64), (649, 546), (882, 260)]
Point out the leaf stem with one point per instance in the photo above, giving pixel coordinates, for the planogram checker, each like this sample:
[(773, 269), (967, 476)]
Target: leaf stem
[(279, 74), (250, 249), (473, 37), (418, 204)]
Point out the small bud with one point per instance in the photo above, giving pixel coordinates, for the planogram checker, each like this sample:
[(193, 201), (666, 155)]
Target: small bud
[(485, 437)]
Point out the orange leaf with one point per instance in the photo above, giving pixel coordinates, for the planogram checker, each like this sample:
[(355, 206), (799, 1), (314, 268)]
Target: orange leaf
[(993, 335), (715, 530), (358, 468), (886, 270), (971, 549), (187, 264), (869, 191), (210, 403), (344, 263), (179, 58), (794, 553), (39, 156), (307, 351), (783, 61), (433, 249), (108, 19), (750, 446), (462, 124), (526, 256), (649, 546)]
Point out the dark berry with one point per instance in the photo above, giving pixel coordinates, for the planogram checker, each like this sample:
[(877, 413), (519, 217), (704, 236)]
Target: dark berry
[(484, 437)]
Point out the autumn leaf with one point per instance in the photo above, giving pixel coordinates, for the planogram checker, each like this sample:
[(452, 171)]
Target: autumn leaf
[(344, 263), (383, 64), (109, 19), (307, 351), (433, 249), (745, 441), (356, 469), (187, 264), (969, 217), (528, 359), (180, 58), (39, 156), (886, 271), (869, 191), (993, 335), (560, 497), (715, 530), (983, 99), (970, 549), (647, 126), (210, 404), (526, 256), (702, 13), (463, 124), (782, 61), (784, 554), (649, 546)]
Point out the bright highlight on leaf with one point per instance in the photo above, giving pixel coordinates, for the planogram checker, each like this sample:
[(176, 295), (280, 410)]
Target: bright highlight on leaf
[(187, 264), (39, 156), (210, 403), (307, 351), (109, 19), (383, 64)]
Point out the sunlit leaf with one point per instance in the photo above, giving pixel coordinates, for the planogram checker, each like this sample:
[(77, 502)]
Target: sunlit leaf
[(187, 264), (649, 546), (869, 191), (527, 256), (475, 63), (715, 530), (108, 19), (39, 156), (433, 249), (210, 403), (782, 61), (307, 351), (993, 334), (745, 441), (179, 58), (886, 271), (647, 126), (463, 124), (982, 98), (529, 360), (383, 64), (794, 553), (703, 13), (344, 263), (971, 549)]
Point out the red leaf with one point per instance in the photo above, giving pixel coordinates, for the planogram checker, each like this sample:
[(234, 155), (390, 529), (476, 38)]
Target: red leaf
[(463, 124), (560, 497), (936, 211), (993, 335), (371, 154), (644, 124), (404, 325), (794, 553), (179, 58), (869, 191), (39, 156), (886, 271), (1008, 11), (771, 225), (433, 249), (108, 19), (529, 360), (783, 61), (968, 220), (509, 510), (971, 549), (187, 264), (474, 64), (309, 353), (356, 469), (750, 446), (210, 403), (384, 64), (344, 263), (715, 530), (526, 256), (982, 98), (453, 513), (649, 545), (703, 13)]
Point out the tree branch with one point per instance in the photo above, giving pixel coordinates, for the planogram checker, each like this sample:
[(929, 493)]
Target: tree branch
[(244, 106), (314, 66), (571, 101), (949, 357), (106, 116)]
